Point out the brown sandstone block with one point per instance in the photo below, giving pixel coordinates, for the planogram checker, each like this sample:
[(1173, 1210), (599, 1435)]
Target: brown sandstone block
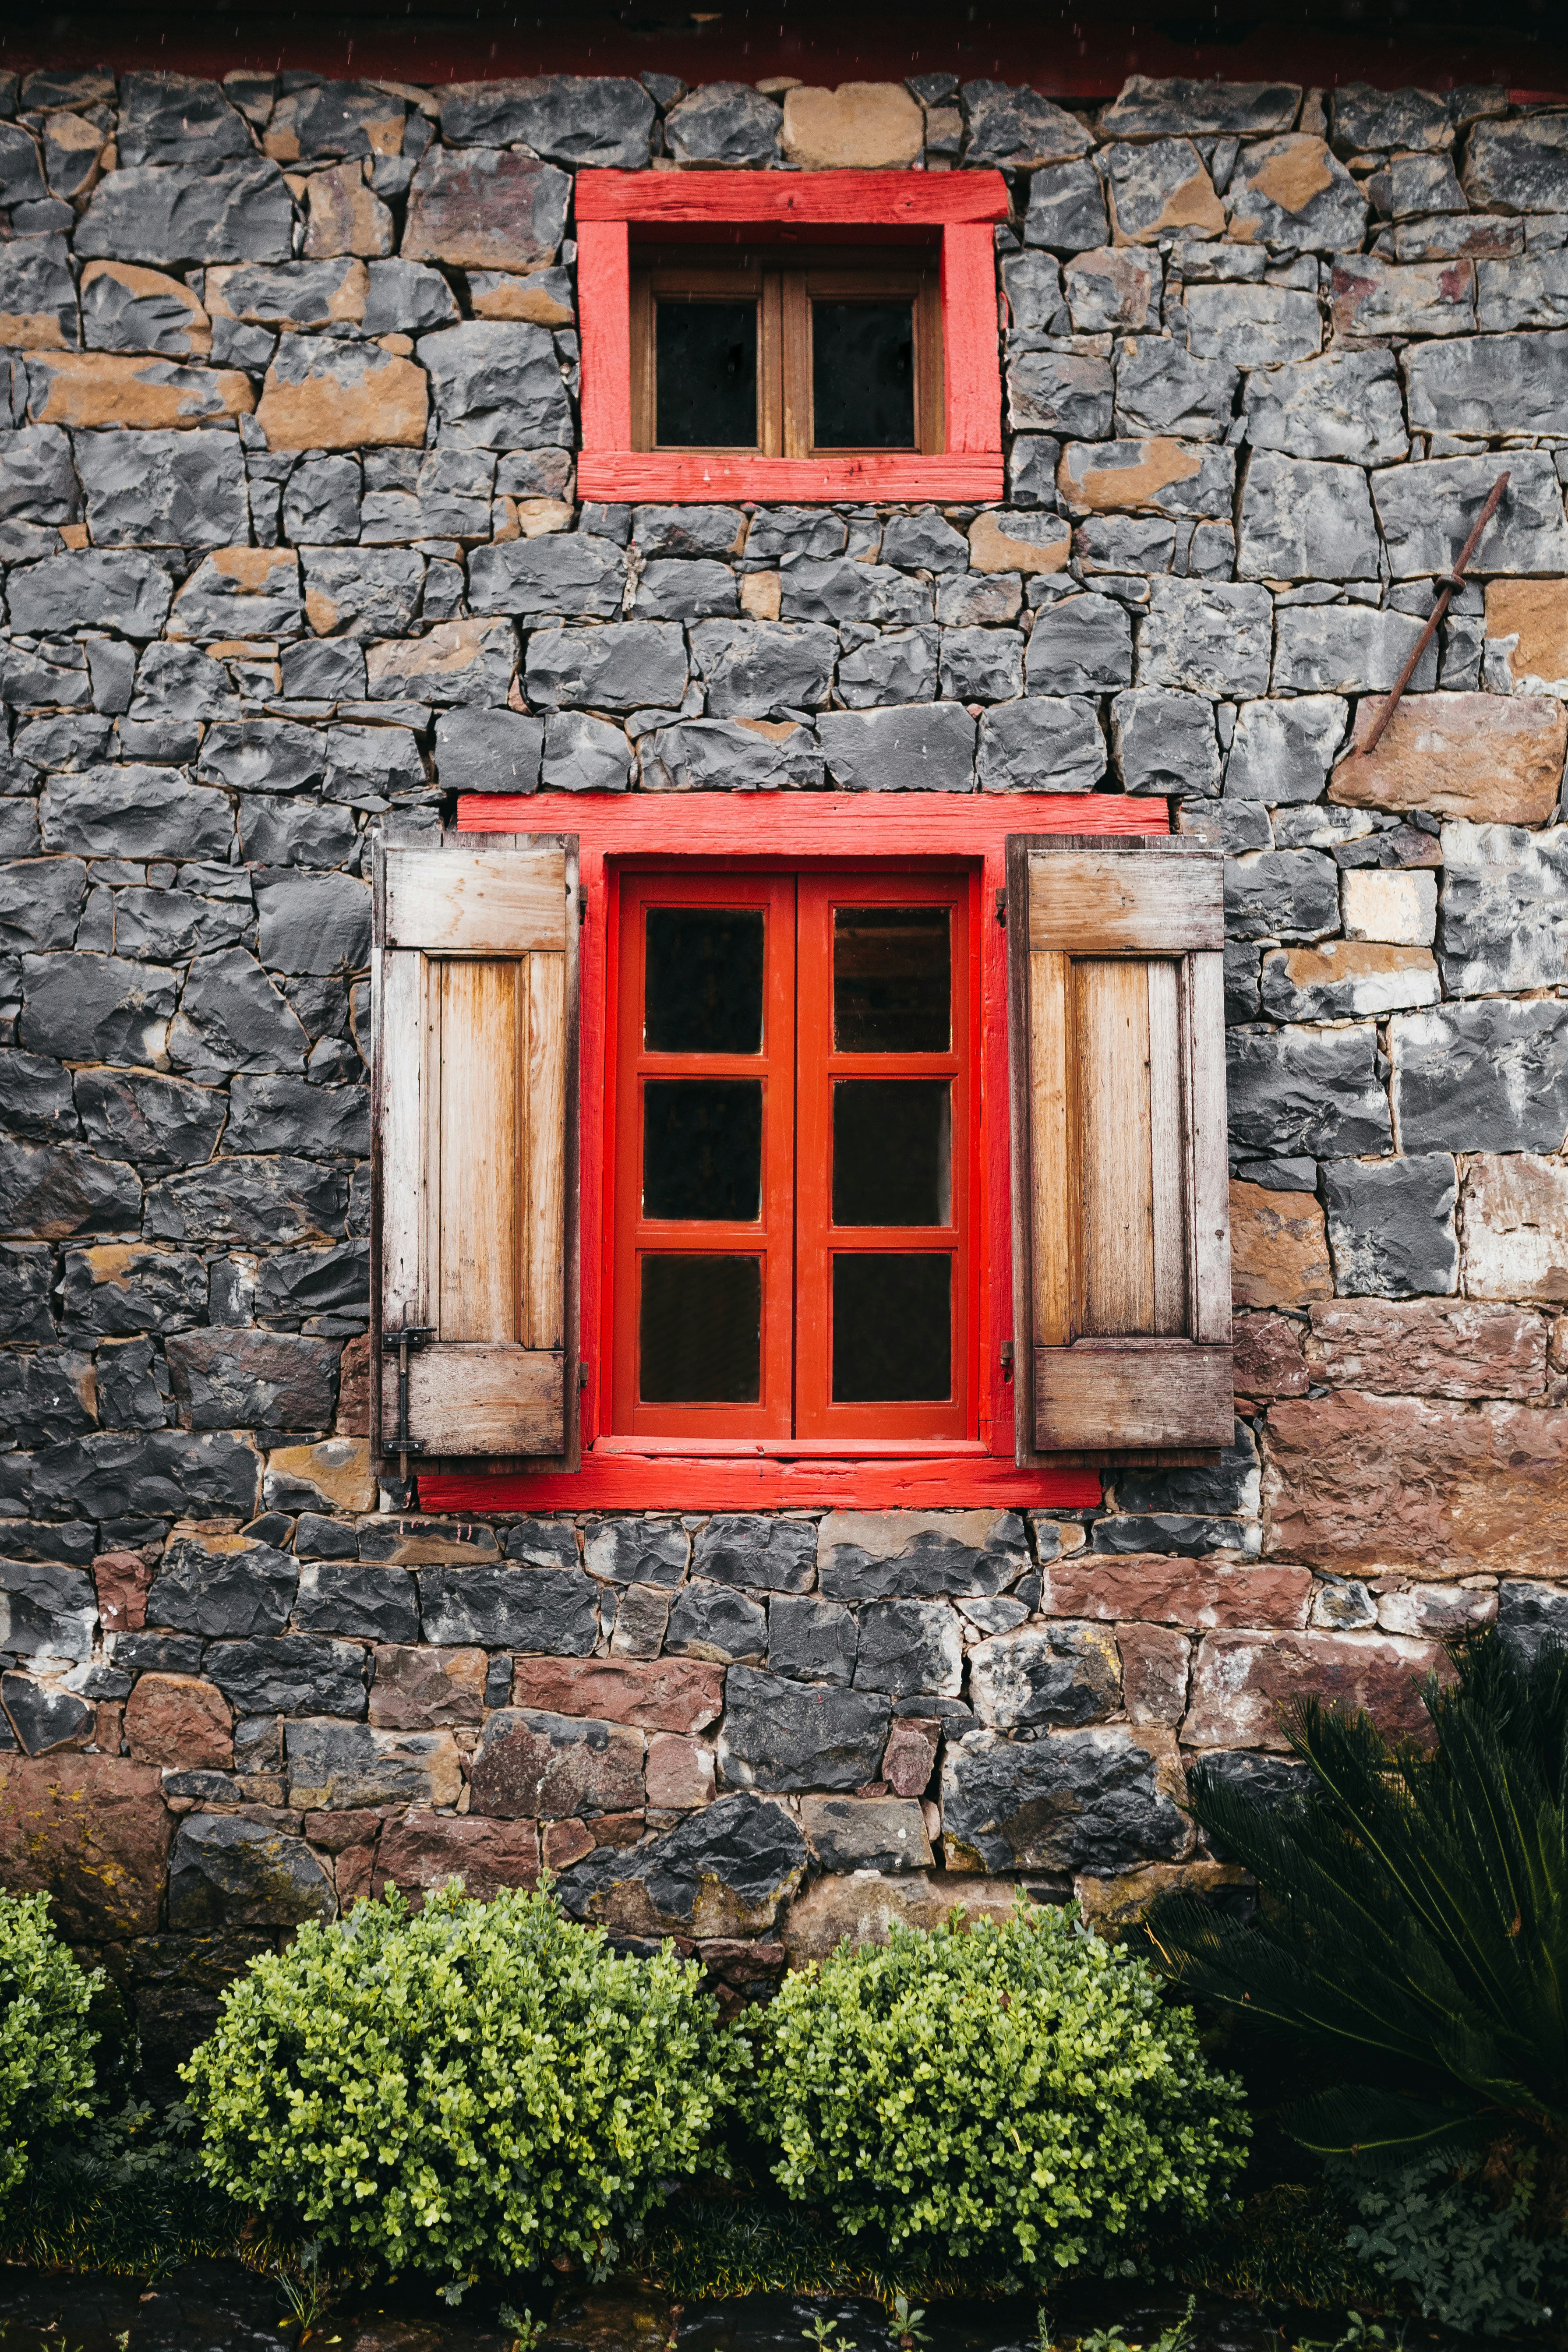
[(321, 393), (93, 1832), (1151, 1587), (156, 285), (861, 125), (1279, 1248), (1242, 1683), (1269, 1361), (423, 1850), (656, 1695), (1516, 1227), (346, 217), (679, 1772), (180, 1721), (1534, 613), (1427, 1347), (87, 389), (1154, 1661), (1110, 1905), (865, 1905), (1402, 1483), (122, 1579), (1496, 758)]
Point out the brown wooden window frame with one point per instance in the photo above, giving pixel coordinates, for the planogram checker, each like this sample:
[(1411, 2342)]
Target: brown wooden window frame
[(785, 281)]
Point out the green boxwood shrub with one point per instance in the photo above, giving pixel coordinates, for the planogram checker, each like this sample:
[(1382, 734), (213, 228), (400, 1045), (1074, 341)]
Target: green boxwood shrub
[(45, 2041), (1018, 2094), (474, 2082)]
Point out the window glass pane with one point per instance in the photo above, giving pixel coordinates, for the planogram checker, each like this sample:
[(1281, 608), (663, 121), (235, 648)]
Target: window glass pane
[(892, 1330), (862, 375), (703, 982), (700, 1330), (702, 1149), (892, 1151), (706, 375), (892, 985)]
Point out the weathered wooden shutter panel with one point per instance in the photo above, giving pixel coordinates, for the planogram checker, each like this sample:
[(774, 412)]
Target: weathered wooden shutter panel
[(1120, 1199), (474, 1350)]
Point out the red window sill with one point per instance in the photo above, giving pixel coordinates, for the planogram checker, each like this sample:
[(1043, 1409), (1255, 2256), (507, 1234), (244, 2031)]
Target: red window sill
[(613, 1480), (622, 475)]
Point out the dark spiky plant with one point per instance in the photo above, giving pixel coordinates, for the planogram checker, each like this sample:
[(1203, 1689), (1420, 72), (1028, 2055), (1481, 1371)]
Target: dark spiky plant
[(1414, 1916)]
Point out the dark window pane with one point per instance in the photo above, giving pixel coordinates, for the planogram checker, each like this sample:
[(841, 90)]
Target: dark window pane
[(892, 1151), (863, 375), (702, 1149), (892, 987), (701, 1332), (703, 985), (892, 1330), (706, 378)]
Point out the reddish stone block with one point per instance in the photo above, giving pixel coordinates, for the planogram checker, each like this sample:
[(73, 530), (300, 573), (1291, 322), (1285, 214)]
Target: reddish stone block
[(1147, 1587), (551, 1767), (93, 1832), (655, 1693), (910, 1757), (565, 1843), (1153, 1673), (180, 1721), (335, 1832), (352, 1872), (1242, 1684), (1427, 1347), (423, 1850), (424, 1689), (1269, 1361), (354, 1391), (122, 1579), (1397, 1483), (1279, 1248), (679, 1773)]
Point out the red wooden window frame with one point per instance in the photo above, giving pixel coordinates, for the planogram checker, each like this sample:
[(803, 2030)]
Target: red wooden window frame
[(830, 830), (963, 207)]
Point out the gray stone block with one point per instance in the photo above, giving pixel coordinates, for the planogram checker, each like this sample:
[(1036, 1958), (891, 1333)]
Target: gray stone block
[(687, 590), (37, 292), (917, 747), (1281, 752), (1066, 1674), (723, 755), (1427, 511), (61, 1190), (1086, 1801), (1079, 645), (46, 1609), (135, 812), (167, 926), (810, 1640), (378, 1604), (1161, 388), (488, 751), (90, 588), (1066, 208), (717, 1623), (627, 665), (314, 922), (1153, 184), (853, 1833), (263, 755), (228, 1379), (36, 1099), (980, 664), (1504, 898), (315, 1282), (37, 479), (407, 298), (584, 754), (1531, 1618), (1153, 108), (1031, 482), (1489, 1076), (322, 504), (96, 1008), (782, 1735), (26, 1278), (1347, 650), (1207, 637), (1344, 405), (1125, 543), (226, 1872), (40, 903), (769, 1555), (1310, 1093), (40, 1716), (1485, 386), (1520, 166), (227, 1593), (880, 666), (1018, 127), (1514, 294), (1253, 326), (1164, 742), (729, 1865), (910, 1646), (295, 833), (363, 592), (1331, 219), (761, 669), (164, 1474), (544, 1612), (838, 588), (232, 1018), (250, 1204), (1229, 1485), (685, 531), (367, 766), (572, 119), (1032, 283), (496, 385), (778, 531), (537, 1543), (636, 1550), (1391, 1225), (1301, 520), (572, 574), (173, 212), (1045, 743), (867, 1556), (1058, 391), (344, 1766), (924, 542), (285, 1114), (724, 122), (1281, 894)]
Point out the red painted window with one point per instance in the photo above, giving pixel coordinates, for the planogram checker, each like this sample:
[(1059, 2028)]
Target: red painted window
[(628, 219), (793, 1252)]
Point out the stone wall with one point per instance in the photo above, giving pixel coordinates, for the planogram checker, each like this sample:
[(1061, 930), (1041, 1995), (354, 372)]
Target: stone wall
[(290, 550)]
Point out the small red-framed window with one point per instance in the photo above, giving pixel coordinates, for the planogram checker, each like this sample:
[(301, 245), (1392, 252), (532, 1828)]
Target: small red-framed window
[(958, 210), (794, 1230)]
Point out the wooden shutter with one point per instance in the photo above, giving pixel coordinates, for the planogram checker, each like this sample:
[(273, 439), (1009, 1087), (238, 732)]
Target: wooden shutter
[(1120, 1199), (473, 1347)]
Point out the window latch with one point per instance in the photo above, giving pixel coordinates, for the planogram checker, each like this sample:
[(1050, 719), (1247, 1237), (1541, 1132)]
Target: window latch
[(400, 1344), (1006, 1360)]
